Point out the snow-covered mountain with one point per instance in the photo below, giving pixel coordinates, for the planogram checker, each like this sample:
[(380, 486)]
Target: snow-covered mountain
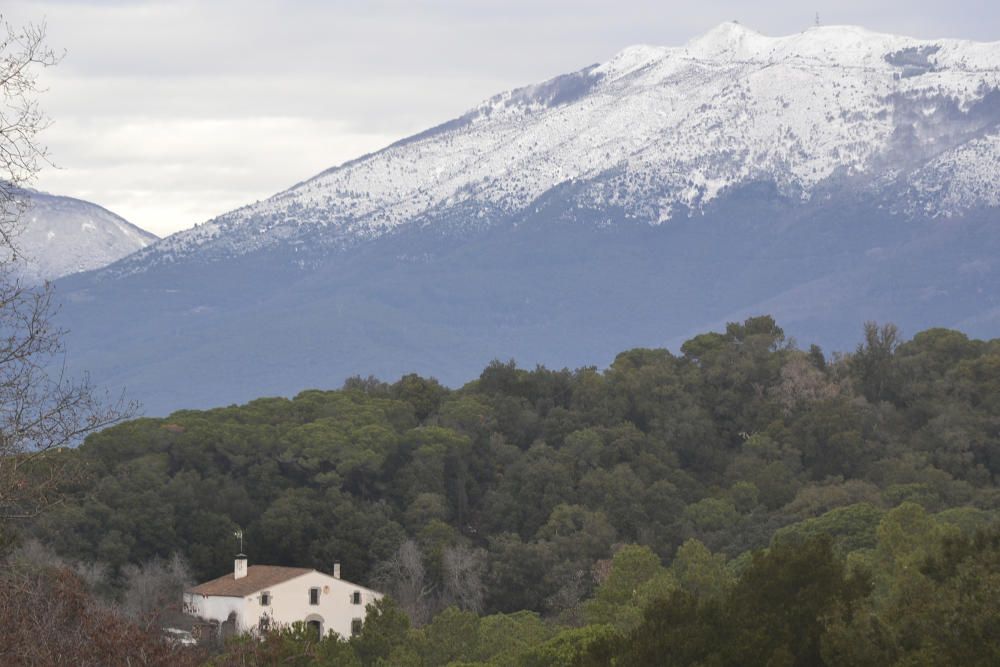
[(659, 132), (827, 177), (62, 235)]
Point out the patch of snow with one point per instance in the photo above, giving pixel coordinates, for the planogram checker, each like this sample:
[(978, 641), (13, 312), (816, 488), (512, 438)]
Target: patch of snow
[(62, 235)]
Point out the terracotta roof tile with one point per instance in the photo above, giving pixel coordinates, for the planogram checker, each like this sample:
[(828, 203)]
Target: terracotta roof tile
[(259, 577)]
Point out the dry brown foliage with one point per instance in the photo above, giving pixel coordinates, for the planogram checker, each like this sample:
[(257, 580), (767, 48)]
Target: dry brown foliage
[(47, 617)]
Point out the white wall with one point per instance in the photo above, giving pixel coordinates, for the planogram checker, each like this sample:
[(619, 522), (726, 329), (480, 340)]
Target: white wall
[(217, 608), (290, 603)]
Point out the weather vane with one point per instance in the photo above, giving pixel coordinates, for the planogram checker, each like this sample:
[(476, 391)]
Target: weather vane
[(239, 535)]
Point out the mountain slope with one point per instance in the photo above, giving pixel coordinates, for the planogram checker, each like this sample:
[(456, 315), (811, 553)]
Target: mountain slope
[(660, 132), (827, 177), (63, 235)]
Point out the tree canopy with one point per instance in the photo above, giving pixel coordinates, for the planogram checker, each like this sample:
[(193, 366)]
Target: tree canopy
[(721, 487)]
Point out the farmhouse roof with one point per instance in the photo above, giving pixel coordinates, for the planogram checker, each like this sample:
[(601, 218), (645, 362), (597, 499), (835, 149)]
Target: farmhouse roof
[(259, 577)]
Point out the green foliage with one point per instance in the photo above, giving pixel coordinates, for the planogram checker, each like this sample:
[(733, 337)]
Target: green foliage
[(635, 578), (502, 637), (700, 572), (944, 610), (451, 636), (874, 363), (694, 461), (797, 604), (853, 528), (712, 514), (780, 602), (773, 615), (295, 645), (590, 646), (385, 631)]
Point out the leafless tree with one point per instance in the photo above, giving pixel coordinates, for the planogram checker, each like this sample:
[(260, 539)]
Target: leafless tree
[(32, 553), (155, 586), (802, 383), (23, 53), (41, 410), (48, 617), (403, 577), (464, 568), (151, 592)]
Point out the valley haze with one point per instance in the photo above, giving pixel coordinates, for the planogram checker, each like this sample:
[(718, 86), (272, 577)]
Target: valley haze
[(827, 178)]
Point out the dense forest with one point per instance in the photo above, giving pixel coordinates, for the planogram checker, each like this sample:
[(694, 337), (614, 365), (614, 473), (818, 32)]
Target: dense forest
[(740, 502)]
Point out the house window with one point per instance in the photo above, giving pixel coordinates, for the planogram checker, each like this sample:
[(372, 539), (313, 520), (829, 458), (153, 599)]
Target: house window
[(265, 599), (313, 596), (356, 597), (355, 627)]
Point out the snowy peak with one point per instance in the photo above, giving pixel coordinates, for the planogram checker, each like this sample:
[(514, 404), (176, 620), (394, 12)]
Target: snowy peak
[(843, 45), (62, 235), (728, 40), (659, 132), (840, 45)]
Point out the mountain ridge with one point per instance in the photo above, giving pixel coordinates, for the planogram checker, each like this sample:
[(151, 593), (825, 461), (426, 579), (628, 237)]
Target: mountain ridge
[(61, 235), (366, 211)]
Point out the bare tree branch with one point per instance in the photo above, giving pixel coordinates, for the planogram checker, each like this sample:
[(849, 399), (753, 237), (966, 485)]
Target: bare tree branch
[(404, 578), (42, 411)]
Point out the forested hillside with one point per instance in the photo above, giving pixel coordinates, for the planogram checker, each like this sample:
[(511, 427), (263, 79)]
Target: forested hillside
[(610, 502)]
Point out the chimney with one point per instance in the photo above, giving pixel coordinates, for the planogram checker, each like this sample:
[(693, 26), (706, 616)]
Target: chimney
[(336, 570), (240, 570)]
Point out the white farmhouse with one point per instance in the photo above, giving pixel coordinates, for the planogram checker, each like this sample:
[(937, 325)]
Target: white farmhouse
[(260, 596)]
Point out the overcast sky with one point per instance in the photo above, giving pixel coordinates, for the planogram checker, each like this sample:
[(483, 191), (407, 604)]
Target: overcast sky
[(169, 113)]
